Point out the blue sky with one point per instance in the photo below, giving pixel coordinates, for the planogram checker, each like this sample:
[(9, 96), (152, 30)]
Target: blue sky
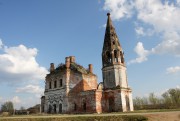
[(35, 33)]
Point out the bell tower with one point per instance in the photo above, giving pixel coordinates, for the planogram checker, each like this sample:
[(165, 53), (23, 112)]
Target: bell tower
[(113, 63)]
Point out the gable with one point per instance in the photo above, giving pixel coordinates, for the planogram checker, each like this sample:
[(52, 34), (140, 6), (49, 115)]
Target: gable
[(81, 86)]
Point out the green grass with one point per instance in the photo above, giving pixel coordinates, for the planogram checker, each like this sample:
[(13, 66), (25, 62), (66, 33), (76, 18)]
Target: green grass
[(154, 110), (78, 118)]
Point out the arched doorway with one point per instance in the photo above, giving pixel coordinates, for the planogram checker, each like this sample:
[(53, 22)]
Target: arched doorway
[(54, 106), (50, 109), (111, 104), (84, 106), (127, 103), (60, 108)]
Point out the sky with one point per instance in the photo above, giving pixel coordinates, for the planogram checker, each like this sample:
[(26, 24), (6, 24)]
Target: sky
[(35, 33)]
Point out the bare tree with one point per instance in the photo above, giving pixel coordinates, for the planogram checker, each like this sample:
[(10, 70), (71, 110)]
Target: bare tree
[(7, 107)]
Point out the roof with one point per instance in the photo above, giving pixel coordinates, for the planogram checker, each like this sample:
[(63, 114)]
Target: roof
[(73, 66)]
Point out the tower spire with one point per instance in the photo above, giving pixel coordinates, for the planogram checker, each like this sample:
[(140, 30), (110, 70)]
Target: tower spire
[(112, 51)]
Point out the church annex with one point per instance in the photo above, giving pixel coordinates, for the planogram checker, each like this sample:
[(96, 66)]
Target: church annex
[(71, 88)]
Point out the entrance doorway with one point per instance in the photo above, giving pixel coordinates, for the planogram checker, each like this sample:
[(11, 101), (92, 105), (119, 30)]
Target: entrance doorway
[(127, 103), (111, 104), (60, 108), (54, 106)]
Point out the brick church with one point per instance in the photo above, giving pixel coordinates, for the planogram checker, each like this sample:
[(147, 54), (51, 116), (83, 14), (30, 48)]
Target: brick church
[(71, 88)]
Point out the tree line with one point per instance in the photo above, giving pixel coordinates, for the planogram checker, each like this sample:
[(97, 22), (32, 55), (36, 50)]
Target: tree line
[(168, 100)]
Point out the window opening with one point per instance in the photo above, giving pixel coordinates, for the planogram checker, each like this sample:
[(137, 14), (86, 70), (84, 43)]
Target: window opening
[(61, 83), (49, 85), (55, 84)]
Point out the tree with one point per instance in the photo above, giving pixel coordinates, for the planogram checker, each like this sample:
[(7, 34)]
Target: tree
[(175, 96), (153, 99), (167, 99), (7, 107), (22, 108), (140, 103)]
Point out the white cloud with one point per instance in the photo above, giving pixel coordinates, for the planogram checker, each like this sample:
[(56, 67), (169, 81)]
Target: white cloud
[(140, 31), (158, 17), (16, 100), (141, 52), (173, 69), (170, 44), (118, 8), (34, 89), (19, 65)]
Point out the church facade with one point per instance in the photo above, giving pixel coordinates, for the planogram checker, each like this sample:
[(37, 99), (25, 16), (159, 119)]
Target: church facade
[(71, 88)]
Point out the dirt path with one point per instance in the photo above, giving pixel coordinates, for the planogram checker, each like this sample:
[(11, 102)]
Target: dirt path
[(164, 116)]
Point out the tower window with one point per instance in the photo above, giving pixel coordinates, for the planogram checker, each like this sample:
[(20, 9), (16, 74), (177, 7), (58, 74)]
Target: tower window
[(115, 56), (113, 42), (122, 58), (61, 83), (49, 85), (55, 84), (108, 56)]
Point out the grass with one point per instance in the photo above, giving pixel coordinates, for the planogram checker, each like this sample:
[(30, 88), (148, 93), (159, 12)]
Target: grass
[(116, 116), (77, 118), (154, 110)]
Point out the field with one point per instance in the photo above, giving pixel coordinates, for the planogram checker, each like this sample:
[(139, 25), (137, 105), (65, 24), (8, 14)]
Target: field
[(136, 116)]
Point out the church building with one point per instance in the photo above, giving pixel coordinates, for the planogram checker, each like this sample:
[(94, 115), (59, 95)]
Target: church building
[(71, 88)]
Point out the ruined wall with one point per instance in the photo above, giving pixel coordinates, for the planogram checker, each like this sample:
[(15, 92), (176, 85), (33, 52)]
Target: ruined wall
[(82, 102), (91, 79)]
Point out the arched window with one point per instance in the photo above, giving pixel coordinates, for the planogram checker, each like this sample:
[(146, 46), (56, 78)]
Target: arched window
[(108, 54), (115, 56), (49, 85), (113, 42), (122, 58), (60, 83), (55, 84)]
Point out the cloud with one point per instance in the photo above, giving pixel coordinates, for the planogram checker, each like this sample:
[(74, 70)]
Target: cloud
[(154, 17), (141, 52), (119, 8), (170, 44), (140, 31), (175, 69), (19, 65), (34, 89)]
